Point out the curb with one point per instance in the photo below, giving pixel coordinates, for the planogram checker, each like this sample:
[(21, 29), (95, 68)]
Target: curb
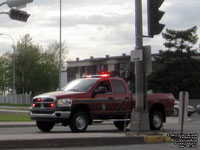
[(157, 139), (82, 140)]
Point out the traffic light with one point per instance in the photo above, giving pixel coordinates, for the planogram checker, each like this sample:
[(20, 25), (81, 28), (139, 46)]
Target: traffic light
[(154, 16), (19, 15)]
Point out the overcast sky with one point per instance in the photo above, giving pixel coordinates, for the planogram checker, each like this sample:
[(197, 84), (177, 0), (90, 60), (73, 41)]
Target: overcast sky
[(94, 27)]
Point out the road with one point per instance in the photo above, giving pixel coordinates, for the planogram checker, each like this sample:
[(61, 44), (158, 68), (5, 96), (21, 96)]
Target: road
[(58, 129), (170, 127)]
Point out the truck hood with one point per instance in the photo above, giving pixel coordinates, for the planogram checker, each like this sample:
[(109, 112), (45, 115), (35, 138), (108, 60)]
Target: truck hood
[(63, 94)]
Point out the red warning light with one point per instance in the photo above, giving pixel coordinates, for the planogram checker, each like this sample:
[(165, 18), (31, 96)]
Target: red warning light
[(52, 105), (104, 75), (39, 100), (33, 105), (88, 76)]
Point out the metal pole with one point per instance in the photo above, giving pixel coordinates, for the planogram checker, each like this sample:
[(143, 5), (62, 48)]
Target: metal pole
[(60, 44), (139, 116), (2, 3), (183, 111)]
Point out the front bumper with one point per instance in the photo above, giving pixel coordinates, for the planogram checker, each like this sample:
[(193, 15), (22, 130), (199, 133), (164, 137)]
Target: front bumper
[(42, 114)]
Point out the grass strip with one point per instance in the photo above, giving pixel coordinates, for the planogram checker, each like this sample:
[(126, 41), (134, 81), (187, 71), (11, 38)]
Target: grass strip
[(14, 117)]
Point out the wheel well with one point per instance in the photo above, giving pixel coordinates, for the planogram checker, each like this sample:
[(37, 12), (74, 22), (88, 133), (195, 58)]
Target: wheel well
[(160, 108), (84, 108)]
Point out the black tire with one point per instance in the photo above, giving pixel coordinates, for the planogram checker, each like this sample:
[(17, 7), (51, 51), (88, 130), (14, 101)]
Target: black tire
[(120, 124), (156, 120), (78, 122), (65, 123), (45, 126)]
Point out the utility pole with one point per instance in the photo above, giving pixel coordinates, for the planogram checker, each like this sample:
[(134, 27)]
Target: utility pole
[(140, 115)]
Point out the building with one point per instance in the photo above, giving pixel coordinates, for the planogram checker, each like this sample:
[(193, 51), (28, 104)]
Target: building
[(119, 66)]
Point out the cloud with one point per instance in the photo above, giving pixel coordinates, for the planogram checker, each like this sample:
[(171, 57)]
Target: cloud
[(95, 28)]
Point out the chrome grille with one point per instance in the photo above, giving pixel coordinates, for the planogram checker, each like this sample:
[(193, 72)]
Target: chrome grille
[(43, 102)]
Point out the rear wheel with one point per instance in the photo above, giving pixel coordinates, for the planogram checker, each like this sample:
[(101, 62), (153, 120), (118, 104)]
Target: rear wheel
[(121, 124), (45, 126), (78, 122), (156, 120)]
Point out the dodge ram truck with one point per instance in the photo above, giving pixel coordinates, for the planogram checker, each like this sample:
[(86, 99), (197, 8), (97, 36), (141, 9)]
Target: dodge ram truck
[(84, 100)]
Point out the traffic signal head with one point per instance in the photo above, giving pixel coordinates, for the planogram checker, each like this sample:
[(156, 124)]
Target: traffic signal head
[(19, 15), (154, 16)]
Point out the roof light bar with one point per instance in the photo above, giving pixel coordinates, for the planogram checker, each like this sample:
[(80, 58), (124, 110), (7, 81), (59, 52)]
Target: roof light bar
[(102, 75)]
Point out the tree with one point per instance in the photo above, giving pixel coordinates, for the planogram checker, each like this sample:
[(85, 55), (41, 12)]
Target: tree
[(5, 72), (176, 69), (180, 40), (54, 50), (27, 65), (36, 69)]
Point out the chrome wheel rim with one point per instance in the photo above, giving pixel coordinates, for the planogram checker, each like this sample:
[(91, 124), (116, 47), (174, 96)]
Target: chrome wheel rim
[(80, 122), (157, 121)]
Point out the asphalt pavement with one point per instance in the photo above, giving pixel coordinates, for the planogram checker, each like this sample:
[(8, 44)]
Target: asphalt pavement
[(51, 140)]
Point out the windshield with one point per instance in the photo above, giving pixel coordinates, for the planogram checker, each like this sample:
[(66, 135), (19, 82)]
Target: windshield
[(79, 85)]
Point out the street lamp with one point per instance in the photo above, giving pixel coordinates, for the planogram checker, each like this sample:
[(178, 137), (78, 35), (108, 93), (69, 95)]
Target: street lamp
[(13, 60)]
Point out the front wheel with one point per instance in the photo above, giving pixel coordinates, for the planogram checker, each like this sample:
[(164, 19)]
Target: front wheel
[(45, 126), (78, 122), (156, 120)]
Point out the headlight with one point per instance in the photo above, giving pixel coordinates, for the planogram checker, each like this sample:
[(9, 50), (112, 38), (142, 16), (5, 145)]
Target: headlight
[(64, 102)]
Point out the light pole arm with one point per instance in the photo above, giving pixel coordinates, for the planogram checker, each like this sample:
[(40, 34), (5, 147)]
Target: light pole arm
[(4, 13)]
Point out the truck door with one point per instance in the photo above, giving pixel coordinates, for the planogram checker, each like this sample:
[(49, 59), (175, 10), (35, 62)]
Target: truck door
[(104, 99), (122, 98)]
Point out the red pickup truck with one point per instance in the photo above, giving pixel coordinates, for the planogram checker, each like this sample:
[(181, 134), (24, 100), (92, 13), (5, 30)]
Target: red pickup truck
[(83, 100)]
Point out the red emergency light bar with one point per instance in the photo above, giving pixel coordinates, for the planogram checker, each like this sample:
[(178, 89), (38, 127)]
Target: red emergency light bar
[(102, 75)]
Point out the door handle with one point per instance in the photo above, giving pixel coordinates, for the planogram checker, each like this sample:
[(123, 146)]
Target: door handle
[(110, 98)]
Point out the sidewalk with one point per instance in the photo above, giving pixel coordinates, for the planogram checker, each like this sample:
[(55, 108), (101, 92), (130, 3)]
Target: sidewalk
[(87, 139)]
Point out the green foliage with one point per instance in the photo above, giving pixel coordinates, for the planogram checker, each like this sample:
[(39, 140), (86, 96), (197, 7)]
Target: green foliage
[(176, 69), (5, 71), (180, 40)]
